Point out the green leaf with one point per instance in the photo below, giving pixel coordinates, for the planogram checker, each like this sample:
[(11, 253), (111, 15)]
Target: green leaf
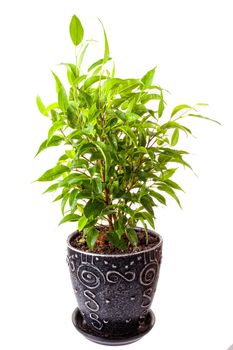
[(92, 80), (63, 203), (73, 179), (117, 242), (92, 235), (73, 199), (149, 97), (79, 163), (128, 131), (202, 117), (43, 110), (168, 173), (106, 46), (76, 30), (173, 185), (51, 188), (181, 161), (81, 55), (147, 203), (72, 117), (62, 99), (97, 63), (93, 208), (58, 82), (202, 104), (53, 173), (161, 107), (54, 141), (149, 218), (70, 153), (82, 222), (97, 185), (158, 196), (170, 191), (148, 77), (60, 196), (173, 125), (56, 126), (175, 137), (69, 217), (180, 108), (104, 149), (72, 72), (144, 216), (132, 236)]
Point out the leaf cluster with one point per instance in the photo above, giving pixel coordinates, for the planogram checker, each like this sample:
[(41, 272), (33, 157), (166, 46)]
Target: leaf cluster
[(120, 155)]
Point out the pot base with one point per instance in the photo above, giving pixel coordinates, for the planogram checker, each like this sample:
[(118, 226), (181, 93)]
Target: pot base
[(106, 339)]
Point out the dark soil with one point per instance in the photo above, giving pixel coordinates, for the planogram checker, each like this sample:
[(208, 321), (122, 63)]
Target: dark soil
[(103, 246)]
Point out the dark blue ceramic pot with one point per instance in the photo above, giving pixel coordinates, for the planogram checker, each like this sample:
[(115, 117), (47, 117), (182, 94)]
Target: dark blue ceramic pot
[(114, 291)]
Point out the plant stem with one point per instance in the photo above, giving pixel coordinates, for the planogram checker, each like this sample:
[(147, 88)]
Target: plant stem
[(107, 198)]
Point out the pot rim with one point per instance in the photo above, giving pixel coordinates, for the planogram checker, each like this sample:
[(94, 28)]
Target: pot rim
[(151, 232)]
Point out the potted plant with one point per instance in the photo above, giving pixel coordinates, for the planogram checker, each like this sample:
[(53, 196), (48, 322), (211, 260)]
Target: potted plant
[(118, 159)]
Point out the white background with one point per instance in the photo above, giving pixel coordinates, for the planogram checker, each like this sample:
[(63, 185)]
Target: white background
[(191, 42)]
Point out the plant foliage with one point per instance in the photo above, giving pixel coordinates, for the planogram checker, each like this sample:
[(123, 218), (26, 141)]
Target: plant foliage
[(119, 153)]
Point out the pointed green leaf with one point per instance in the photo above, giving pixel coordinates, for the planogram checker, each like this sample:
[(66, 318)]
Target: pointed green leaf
[(69, 217), (158, 196), (104, 150), (149, 218), (92, 235), (175, 137), (149, 97), (97, 185), (132, 236), (144, 216), (92, 80), (147, 203), (43, 110), (79, 163), (202, 104), (56, 126), (161, 107), (93, 208), (173, 125), (76, 30), (97, 63), (62, 99), (63, 203), (180, 108), (117, 242), (82, 222), (202, 117), (53, 173), (170, 191), (58, 82), (128, 131), (54, 141), (73, 200), (51, 188), (168, 173), (148, 77), (60, 196), (73, 179), (173, 185), (106, 46), (81, 55), (72, 72)]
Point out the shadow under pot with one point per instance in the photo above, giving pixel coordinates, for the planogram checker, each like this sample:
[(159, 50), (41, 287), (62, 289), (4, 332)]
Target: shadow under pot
[(114, 292)]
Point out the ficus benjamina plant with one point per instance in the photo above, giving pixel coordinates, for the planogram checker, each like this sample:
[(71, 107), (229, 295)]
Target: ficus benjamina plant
[(119, 150)]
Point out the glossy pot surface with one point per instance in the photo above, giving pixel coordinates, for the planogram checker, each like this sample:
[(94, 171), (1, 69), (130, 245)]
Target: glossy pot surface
[(114, 292)]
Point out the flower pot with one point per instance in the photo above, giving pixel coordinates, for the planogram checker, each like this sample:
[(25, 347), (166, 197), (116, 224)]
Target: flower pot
[(114, 292)]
